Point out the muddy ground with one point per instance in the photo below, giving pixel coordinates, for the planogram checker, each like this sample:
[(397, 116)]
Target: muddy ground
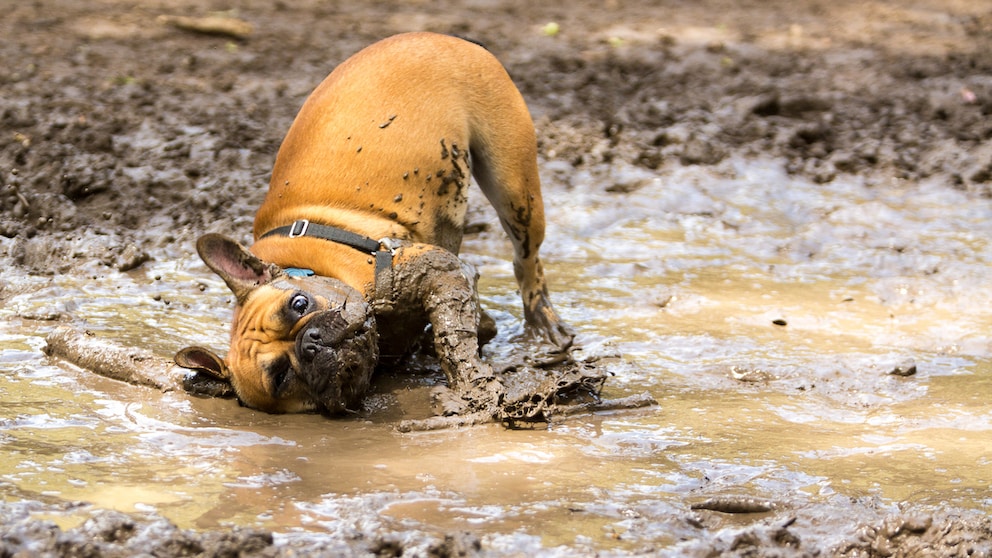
[(123, 138)]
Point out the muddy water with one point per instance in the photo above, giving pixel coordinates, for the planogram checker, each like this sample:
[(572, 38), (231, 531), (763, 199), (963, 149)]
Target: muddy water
[(765, 313)]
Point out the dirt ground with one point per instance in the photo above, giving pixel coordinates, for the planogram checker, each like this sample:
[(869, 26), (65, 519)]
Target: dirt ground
[(122, 137)]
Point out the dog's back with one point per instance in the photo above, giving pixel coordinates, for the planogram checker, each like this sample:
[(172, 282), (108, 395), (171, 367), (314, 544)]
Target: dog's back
[(382, 147)]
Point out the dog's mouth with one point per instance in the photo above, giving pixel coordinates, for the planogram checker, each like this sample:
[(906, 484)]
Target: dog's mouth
[(337, 351)]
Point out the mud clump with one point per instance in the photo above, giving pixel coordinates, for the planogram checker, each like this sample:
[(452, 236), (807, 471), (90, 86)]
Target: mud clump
[(917, 534), (111, 534), (48, 255)]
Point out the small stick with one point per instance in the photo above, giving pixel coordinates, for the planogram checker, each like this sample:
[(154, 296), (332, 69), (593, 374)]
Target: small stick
[(460, 421), (636, 401), (211, 25), (444, 423), (735, 504)]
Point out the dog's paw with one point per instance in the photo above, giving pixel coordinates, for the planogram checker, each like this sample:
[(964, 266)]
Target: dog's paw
[(480, 395), (545, 325)]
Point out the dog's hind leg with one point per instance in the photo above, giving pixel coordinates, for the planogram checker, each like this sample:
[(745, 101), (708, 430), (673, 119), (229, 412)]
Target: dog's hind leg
[(505, 166)]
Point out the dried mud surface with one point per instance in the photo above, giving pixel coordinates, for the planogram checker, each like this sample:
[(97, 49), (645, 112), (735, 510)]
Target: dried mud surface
[(122, 138)]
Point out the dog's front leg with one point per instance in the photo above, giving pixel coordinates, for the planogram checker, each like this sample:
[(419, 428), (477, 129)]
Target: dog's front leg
[(452, 305), (446, 290)]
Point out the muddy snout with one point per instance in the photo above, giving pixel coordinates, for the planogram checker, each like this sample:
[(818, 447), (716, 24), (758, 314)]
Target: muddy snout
[(337, 351)]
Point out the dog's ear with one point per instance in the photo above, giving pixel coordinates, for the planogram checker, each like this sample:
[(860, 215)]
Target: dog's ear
[(239, 268), (212, 378), (203, 360)]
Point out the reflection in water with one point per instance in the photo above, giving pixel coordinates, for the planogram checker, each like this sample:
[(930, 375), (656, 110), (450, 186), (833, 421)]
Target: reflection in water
[(765, 314)]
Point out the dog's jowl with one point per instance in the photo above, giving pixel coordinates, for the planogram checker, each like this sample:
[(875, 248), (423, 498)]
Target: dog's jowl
[(356, 243)]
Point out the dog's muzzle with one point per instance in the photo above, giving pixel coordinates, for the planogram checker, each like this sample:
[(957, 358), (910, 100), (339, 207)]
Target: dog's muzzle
[(337, 351)]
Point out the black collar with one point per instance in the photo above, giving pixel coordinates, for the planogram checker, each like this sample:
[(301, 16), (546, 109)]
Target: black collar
[(380, 249)]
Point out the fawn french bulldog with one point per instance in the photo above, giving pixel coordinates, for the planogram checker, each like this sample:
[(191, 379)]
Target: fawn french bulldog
[(356, 242)]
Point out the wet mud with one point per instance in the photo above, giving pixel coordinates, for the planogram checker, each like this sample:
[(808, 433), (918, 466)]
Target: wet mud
[(128, 130)]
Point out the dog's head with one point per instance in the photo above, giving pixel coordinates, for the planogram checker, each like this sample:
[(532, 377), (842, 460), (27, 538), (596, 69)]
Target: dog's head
[(298, 343)]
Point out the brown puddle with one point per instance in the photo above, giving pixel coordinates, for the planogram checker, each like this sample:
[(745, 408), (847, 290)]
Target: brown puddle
[(765, 313)]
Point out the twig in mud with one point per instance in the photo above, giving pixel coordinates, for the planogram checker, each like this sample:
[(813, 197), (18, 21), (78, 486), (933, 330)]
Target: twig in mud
[(444, 423), (211, 25), (552, 412), (638, 401), (735, 504), (108, 359), (476, 419)]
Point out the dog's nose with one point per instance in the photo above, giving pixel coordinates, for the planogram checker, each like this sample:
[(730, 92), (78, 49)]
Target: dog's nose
[(310, 343)]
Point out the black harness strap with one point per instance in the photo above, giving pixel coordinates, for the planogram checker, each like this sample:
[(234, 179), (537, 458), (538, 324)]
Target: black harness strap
[(383, 255)]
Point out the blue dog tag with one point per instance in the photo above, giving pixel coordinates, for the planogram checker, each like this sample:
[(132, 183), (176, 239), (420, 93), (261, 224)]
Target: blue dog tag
[(298, 272)]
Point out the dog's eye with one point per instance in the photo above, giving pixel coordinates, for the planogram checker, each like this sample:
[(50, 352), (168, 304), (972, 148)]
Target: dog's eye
[(299, 303)]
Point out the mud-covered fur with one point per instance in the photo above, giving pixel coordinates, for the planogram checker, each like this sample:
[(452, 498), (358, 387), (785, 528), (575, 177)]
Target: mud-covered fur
[(383, 148)]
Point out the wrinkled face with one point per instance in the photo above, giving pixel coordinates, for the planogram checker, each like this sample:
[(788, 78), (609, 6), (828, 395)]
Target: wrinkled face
[(302, 344)]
